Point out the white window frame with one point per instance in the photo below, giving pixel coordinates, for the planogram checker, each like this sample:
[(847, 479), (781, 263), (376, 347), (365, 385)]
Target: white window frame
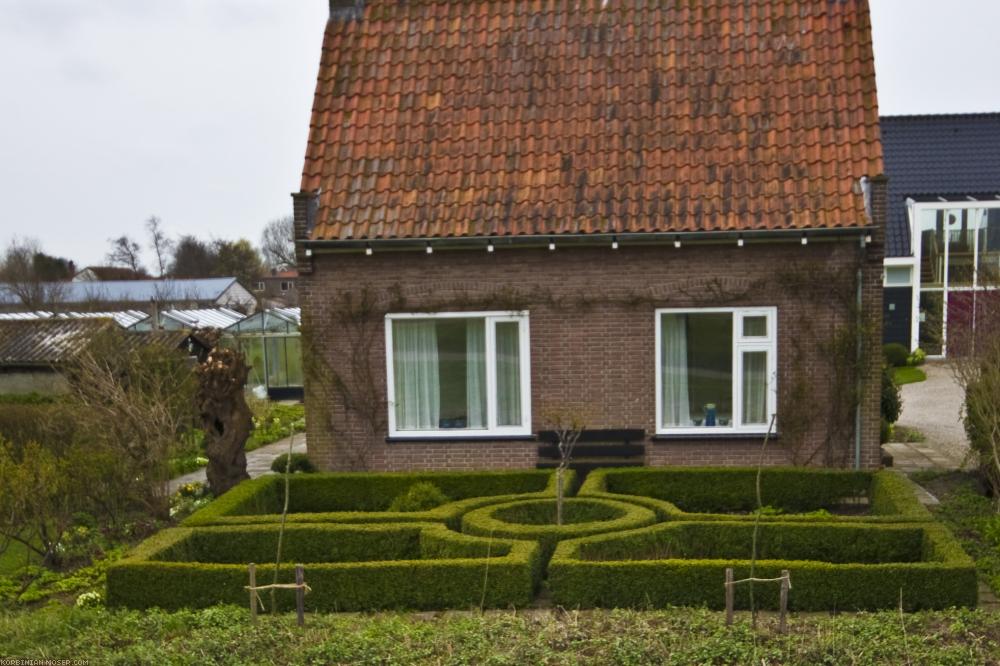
[(741, 344), (493, 430)]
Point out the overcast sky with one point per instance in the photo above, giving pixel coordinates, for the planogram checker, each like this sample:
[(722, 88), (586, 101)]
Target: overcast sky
[(197, 110)]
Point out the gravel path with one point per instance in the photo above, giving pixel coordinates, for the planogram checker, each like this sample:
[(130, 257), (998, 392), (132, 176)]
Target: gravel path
[(934, 408), (258, 461)]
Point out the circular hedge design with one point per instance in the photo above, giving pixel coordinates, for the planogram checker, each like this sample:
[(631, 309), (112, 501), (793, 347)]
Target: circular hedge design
[(534, 520)]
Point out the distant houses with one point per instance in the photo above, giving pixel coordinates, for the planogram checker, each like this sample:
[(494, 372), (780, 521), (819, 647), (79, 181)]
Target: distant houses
[(224, 292)]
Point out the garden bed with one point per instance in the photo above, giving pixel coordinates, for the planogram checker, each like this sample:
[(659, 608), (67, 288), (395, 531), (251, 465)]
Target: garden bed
[(788, 494), (535, 520), (833, 566), (348, 567), (366, 497)]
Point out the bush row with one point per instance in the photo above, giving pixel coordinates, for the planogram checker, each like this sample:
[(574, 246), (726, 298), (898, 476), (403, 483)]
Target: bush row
[(325, 498), (946, 577), (521, 520), (712, 493), (444, 569)]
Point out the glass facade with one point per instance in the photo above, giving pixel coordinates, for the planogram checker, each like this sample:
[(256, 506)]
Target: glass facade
[(272, 345), (959, 260)]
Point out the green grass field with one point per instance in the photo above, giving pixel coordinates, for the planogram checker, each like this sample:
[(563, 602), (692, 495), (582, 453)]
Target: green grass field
[(908, 375)]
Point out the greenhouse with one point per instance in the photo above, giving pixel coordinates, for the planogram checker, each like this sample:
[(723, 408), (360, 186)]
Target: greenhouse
[(272, 344)]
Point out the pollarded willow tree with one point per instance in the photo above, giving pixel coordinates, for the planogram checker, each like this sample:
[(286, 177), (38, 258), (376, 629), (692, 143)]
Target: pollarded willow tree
[(226, 418)]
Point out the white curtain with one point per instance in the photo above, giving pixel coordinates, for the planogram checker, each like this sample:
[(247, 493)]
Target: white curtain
[(508, 374), (754, 388), (475, 373), (676, 401), (417, 380)]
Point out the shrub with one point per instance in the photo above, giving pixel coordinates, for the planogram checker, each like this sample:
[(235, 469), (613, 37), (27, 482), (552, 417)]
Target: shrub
[(848, 567), (349, 567), (353, 497), (419, 497), (895, 354), (918, 357), (300, 463), (892, 402), (535, 520), (715, 493)]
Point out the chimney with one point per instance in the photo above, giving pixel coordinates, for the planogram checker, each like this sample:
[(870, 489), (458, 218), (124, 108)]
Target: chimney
[(347, 10)]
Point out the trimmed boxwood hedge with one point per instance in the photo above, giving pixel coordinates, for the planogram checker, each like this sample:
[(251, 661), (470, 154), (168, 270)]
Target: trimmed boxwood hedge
[(364, 497), (584, 572), (348, 567), (709, 493), (501, 520)]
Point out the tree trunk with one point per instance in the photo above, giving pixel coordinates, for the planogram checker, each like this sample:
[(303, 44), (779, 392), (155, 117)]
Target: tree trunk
[(559, 494), (225, 417)]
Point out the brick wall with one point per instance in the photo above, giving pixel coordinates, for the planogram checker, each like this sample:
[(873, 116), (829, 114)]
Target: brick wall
[(599, 356)]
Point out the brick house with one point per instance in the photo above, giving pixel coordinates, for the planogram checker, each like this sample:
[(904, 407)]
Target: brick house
[(665, 217)]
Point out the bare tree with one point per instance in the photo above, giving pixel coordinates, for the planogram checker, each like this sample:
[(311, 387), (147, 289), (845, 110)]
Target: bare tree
[(568, 424), (277, 242), (134, 397), (159, 244), (125, 252), (21, 282)]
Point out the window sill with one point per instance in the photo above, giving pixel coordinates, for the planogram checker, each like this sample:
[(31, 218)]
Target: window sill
[(679, 437), (427, 439)]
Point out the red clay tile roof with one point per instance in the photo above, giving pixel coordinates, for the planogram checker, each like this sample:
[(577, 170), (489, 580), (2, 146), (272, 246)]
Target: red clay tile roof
[(511, 117)]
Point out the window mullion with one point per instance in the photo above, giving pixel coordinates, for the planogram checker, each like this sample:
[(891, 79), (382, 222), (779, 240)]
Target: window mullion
[(491, 374), (737, 369)]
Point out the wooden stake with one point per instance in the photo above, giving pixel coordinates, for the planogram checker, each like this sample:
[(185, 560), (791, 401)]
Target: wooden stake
[(782, 620), (253, 592), (300, 594), (730, 593)]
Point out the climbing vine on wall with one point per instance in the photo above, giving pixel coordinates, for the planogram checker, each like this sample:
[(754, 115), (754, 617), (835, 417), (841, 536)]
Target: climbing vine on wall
[(835, 359)]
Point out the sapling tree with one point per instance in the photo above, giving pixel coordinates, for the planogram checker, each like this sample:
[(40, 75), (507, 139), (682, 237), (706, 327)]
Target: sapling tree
[(567, 424)]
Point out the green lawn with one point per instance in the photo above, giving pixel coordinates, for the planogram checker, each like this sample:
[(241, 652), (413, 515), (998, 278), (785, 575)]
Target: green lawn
[(14, 558), (908, 375)]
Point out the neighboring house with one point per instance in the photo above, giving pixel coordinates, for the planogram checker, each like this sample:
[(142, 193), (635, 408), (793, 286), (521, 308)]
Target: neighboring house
[(942, 265), (278, 289), (649, 214), (106, 273), (34, 353), (165, 294)]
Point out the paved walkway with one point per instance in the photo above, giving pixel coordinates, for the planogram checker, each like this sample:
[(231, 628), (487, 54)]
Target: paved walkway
[(934, 408), (258, 461)]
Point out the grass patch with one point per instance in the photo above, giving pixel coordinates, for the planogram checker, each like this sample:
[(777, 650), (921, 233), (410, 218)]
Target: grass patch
[(968, 513), (906, 435), (224, 635), (908, 375), (14, 558)]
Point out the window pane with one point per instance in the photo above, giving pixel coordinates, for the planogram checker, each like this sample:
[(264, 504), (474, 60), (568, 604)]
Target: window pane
[(755, 327), (897, 276), (960, 247), (932, 247), (755, 388), (439, 370), (276, 362), (294, 351), (508, 374), (989, 248), (697, 369), (931, 321)]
